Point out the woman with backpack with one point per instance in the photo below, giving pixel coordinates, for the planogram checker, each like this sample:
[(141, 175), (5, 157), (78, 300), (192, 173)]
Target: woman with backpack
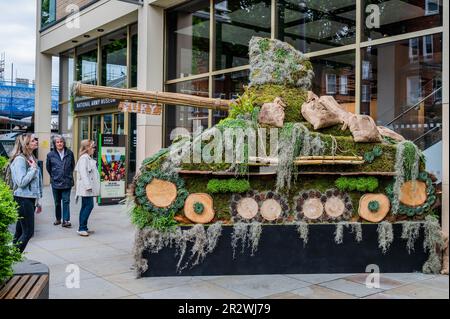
[(88, 183), (27, 186)]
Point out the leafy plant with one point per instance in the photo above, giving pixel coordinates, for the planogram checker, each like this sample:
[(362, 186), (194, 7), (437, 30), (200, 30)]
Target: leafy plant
[(231, 185), (243, 105), (360, 184), (370, 156), (9, 254)]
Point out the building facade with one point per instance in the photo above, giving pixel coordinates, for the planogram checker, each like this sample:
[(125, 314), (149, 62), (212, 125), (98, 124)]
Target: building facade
[(388, 59)]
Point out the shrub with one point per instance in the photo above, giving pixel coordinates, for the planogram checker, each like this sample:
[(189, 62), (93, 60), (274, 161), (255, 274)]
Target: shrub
[(361, 184), (9, 254), (244, 105), (232, 185)]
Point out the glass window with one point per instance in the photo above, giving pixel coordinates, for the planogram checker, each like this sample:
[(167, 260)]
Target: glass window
[(431, 7), (83, 129), (236, 21), (343, 83), (414, 49), (188, 39), (335, 75), (134, 49), (87, 63), (119, 123), (391, 17), (428, 47), (189, 118), (400, 83), (331, 83), (312, 25), (96, 124), (107, 124), (114, 59), (48, 12), (228, 86)]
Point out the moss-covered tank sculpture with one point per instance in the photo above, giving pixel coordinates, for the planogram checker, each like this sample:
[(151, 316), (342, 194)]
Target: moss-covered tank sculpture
[(295, 175)]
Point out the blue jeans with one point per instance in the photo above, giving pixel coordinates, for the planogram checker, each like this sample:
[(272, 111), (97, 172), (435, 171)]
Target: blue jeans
[(64, 196), (87, 204), (25, 224)]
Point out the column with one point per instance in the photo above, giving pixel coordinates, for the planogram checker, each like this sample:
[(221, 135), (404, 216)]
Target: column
[(150, 77), (445, 117), (43, 98)]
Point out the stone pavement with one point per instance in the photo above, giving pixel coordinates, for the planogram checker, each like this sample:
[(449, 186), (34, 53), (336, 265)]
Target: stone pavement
[(105, 261)]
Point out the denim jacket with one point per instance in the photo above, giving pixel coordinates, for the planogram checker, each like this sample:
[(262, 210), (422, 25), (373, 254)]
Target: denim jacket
[(27, 180)]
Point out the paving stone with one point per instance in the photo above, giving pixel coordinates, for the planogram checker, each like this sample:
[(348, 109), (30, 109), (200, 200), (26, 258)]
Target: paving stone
[(87, 253), (384, 282), (350, 287), (318, 292), (94, 288), (318, 278), (65, 243), (417, 291), (201, 290), (45, 257), (407, 277), (439, 282), (58, 274), (109, 265), (259, 286), (135, 285)]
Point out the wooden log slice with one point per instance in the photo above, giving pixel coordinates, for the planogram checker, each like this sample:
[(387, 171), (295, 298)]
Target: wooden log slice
[(312, 208), (247, 208), (203, 217), (271, 209), (367, 214), (161, 193), (335, 207), (413, 193)]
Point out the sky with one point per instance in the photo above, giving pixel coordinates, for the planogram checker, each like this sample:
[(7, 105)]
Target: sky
[(17, 39)]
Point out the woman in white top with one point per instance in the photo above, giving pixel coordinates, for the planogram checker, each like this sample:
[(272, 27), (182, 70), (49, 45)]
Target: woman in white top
[(88, 183)]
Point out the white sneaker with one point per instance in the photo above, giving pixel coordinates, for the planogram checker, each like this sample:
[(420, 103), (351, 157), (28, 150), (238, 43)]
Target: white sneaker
[(83, 233)]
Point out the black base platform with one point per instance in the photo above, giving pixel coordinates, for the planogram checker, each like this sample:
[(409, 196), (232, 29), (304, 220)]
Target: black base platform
[(281, 251)]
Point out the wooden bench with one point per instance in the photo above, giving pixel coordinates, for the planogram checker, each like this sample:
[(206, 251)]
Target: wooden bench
[(30, 281), (26, 287)]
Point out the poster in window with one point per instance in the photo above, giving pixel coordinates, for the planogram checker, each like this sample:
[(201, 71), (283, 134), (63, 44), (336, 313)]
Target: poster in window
[(111, 165)]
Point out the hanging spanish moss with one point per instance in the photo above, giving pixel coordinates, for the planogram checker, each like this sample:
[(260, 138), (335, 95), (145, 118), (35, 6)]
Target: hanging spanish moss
[(410, 233), (433, 242), (407, 162), (295, 139), (303, 231), (203, 242), (357, 230), (248, 234), (385, 235), (213, 233), (153, 240), (254, 236), (339, 232), (239, 234)]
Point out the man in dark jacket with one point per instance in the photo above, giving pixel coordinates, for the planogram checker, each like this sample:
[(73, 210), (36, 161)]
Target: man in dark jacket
[(60, 165)]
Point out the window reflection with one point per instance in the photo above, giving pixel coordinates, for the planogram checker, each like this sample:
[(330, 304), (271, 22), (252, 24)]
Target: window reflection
[(335, 75), (236, 22), (188, 118), (228, 86), (87, 63), (312, 25), (406, 85), (114, 59), (188, 39), (399, 17)]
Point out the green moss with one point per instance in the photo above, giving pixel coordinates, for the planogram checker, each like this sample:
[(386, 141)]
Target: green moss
[(264, 45), (231, 185), (292, 97), (232, 123), (334, 130), (360, 184), (198, 207)]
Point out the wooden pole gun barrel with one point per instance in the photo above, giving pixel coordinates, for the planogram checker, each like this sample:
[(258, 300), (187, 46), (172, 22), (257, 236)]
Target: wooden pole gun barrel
[(154, 97)]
